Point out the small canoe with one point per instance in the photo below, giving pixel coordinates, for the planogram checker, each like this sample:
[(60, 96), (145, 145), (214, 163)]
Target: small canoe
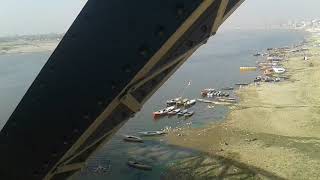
[(132, 139), (139, 165), (242, 84), (152, 133), (227, 88), (189, 114), (204, 100)]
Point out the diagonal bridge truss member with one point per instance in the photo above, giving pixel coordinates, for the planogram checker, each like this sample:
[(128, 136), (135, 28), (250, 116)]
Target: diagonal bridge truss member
[(115, 55)]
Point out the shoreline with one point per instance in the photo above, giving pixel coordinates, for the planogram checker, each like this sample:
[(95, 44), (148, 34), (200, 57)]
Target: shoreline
[(275, 127)]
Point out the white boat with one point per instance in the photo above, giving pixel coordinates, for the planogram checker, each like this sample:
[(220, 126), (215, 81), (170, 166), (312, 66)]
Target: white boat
[(182, 101), (190, 102), (161, 112), (210, 94), (204, 100), (210, 106), (132, 139), (279, 70), (173, 102), (173, 112), (139, 165), (189, 114), (152, 133), (181, 113)]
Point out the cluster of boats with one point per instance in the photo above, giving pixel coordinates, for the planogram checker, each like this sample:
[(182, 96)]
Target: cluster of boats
[(177, 106), (266, 79), (210, 93)]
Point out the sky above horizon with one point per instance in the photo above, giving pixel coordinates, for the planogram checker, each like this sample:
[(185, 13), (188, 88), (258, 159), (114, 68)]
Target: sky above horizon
[(19, 17)]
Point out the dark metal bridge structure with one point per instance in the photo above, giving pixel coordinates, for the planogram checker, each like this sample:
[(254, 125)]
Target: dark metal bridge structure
[(115, 55)]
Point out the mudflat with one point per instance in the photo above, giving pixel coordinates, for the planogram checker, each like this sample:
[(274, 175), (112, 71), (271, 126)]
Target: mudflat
[(272, 133)]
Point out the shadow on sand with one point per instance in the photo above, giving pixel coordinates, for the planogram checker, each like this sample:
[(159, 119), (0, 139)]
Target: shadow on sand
[(188, 164)]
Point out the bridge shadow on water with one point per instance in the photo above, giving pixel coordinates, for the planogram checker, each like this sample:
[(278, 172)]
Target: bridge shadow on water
[(169, 162), (189, 164)]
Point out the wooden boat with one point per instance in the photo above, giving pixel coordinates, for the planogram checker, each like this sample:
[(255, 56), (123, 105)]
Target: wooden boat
[(152, 133), (242, 84), (174, 112), (173, 102), (181, 113), (188, 114), (206, 92), (228, 88), (132, 139), (182, 102), (190, 102), (163, 112), (139, 165), (248, 68), (210, 94), (227, 100), (204, 101)]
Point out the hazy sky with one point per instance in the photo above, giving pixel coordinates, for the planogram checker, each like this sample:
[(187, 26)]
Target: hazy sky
[(44, 16)]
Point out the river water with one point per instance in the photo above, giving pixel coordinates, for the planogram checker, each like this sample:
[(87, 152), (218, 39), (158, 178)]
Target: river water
[(214, 65)]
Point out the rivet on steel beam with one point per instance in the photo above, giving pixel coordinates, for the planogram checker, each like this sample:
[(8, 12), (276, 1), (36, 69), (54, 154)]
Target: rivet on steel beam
[(124, 114), (45, 164), (75, 130), (180, 10), (113, 85), (51, 69), (36, 173), (160, 31), (204, 28), (189, 43), (143, 52), (42, 85), (86, 116), (126, 68)]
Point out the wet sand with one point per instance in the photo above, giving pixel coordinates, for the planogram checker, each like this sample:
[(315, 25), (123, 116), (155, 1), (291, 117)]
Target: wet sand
[(274, 128)]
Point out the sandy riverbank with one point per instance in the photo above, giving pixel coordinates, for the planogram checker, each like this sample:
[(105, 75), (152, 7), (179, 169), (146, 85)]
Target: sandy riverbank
[(29, 44), (274, 132)]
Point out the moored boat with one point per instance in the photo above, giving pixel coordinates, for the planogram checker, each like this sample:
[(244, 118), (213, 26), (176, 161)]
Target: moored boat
[(181, 113), (190, 102), (242, 84), (139, 165), (227, 88), (174, 112), (159, 113), (204, 101), (173, 102), (152, 133), (132, 139), (189, 114)]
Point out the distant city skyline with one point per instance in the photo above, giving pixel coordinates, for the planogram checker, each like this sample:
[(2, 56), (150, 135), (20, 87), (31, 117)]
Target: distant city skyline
[(23, 17)]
